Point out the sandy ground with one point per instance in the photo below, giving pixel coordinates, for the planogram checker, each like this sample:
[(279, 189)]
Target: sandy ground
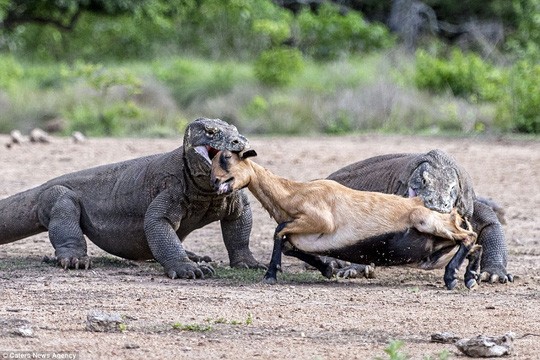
[(235, 316)]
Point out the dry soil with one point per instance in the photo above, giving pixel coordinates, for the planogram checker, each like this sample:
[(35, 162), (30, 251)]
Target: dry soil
[(235, 316)]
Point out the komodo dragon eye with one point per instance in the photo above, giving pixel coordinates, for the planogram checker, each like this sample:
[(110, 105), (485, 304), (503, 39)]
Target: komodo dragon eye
[(210, 132)]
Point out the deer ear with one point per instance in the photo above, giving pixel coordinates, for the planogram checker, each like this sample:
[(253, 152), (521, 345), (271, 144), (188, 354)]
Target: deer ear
[(248, 153)]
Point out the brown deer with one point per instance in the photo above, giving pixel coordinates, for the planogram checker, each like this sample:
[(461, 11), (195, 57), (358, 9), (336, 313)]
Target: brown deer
[(322, 216)]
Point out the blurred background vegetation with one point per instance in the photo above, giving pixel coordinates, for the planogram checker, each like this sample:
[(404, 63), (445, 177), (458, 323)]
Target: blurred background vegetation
[(148, 67)]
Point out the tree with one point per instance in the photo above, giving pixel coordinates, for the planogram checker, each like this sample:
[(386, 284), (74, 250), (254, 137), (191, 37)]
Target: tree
[(64, 14)]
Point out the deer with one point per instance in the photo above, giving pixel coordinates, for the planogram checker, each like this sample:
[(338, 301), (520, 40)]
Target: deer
[(321, 217)]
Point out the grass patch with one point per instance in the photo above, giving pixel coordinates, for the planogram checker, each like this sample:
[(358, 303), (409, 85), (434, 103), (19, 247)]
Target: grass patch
[(13, 263), (221, 320), (192, 327), (252, 276)]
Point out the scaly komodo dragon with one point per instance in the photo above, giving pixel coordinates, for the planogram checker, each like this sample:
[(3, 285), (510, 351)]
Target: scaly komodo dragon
[(442, 184), (139, 209)]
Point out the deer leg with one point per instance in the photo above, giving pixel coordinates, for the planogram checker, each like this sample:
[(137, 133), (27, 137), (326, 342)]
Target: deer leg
[(472, 272), (466, 249), (275, 262), (326, 268)]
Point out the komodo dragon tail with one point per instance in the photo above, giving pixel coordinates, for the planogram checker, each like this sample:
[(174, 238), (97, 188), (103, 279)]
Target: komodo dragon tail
[(19, 216)]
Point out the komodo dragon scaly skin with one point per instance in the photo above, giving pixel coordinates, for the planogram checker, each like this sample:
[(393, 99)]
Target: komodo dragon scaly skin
[(442, 184), (141, 208)]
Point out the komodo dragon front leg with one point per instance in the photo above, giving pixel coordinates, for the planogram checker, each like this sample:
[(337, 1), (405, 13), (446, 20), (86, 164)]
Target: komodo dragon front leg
[(161, 221), (494, 250), (236, 230)]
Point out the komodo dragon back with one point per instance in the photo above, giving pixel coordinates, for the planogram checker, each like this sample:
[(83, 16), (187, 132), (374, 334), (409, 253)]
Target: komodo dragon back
[(434, 176)]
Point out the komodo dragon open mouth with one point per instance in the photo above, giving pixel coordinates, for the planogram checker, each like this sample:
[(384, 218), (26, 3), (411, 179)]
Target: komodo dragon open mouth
[(207, 152)]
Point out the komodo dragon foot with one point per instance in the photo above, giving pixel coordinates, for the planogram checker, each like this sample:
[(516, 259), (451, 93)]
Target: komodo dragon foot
[(82, 262), (353, 271), (189, 270), (246, 261), (495, 274)]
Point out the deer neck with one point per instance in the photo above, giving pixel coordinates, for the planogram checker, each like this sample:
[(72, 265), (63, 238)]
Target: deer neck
[(272, 191)]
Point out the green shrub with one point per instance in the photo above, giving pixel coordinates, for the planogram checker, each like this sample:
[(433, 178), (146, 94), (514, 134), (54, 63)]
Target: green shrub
[(465, 75), (117, 119), (257, 107), (525, 42), (278, 66), (11, 72), (193, 80), (519, 107), (340, 124), (239, 28), (327, 33), (276, 31)]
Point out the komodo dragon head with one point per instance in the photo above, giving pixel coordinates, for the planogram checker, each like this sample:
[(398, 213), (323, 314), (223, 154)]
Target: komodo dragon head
[(204, 138), (436, 178)]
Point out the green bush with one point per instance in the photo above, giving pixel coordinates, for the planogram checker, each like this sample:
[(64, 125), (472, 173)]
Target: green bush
[(238, 28), (11, 72), (519, 107), (328, 33), (515, 91), (116, 119), (278, 66), (193, 80), (525, 42), (465, 75)]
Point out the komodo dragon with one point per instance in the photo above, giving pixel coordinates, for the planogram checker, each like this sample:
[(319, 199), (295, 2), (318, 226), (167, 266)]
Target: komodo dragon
[(442, 184), (141, 208)]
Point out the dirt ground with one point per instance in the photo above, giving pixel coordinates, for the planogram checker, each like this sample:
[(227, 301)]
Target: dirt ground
[(235, 316)]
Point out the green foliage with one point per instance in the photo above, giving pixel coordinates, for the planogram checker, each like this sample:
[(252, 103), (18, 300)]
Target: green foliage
[(195, 80), (443, 355), (276, 31), (341, 124), (465, 75), (328, 34), (191, 327), (117, 119), (519, 106), (257, 107), (221, 320), (515, 90), (64, 14), (102, 79), (249, 319), (525, 42), (4, 8), (393, 351), (99, 118), (239, 28), (278, 66), (11, 72), (210, 28)]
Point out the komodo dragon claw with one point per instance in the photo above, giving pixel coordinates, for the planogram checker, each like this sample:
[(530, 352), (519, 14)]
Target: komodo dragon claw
[(83, 262), (496, 276), (198, 258), (190, 270), (354, 271), (251, 265)]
